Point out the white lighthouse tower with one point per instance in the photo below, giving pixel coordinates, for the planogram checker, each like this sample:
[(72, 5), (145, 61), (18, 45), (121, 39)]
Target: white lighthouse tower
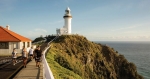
[(67, 18), (67, 23)]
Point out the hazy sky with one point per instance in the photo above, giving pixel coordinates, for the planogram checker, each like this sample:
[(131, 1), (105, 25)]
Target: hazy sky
[(98, 20)]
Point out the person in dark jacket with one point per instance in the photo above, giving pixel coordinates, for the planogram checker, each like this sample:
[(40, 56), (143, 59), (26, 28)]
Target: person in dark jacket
[(38, 55)]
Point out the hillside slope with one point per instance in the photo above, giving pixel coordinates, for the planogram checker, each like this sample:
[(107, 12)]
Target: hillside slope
[(74, 57)]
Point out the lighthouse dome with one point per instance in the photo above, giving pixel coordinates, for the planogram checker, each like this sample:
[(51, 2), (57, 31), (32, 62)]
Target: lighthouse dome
[(68, 8)]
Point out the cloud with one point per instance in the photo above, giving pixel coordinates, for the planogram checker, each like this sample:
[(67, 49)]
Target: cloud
[(143, 37), (36, 33), (55, 22), (119, 38), (125, 28), (40, 30), (131, 32), (133, 38), (101, 36)]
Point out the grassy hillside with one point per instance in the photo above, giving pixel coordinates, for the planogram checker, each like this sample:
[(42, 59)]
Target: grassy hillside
[(74, 57)]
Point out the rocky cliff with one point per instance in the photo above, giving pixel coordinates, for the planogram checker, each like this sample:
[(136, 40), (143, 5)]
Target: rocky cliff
[(84, 59)]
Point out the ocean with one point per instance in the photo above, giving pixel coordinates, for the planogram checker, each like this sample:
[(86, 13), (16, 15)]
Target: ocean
[(136, 52)]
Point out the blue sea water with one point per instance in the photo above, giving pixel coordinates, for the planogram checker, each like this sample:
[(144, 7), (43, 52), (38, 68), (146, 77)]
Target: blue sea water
[(136, 52)]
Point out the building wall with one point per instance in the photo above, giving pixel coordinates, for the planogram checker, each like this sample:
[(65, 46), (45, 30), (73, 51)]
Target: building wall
[(57, 31), (26, 45), (68, 25), (9, 51), (13, 45), (62, 31), (17, 45)]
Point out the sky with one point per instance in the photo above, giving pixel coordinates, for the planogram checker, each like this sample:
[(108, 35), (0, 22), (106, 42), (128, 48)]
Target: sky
[(97, 20)]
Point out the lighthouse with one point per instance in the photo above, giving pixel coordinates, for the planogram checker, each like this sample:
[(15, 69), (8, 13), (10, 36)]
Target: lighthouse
[(67, 23), (67, 20)]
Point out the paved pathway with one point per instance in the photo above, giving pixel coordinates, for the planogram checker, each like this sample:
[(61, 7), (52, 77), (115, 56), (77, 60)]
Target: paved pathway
[(30, 72)]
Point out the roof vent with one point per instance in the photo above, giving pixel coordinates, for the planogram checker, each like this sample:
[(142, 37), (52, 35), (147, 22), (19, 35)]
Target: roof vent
[(7, 27)]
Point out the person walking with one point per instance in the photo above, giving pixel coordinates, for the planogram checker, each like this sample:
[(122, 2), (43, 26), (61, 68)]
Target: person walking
[(24, 56), (14, 56), (34, 54), (31, 53), (38, 54)]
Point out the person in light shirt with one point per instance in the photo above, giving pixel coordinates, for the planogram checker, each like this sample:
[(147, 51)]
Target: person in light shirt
[(31, 53), (14, 56), (24, 56)]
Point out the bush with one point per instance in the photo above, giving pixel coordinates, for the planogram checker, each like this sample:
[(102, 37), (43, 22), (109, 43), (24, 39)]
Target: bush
[(38, 39), (70, 55), (63, 62)]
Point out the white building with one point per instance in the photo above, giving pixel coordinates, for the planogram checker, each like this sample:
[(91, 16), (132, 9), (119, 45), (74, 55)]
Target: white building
[(10, 40), (67, 23)]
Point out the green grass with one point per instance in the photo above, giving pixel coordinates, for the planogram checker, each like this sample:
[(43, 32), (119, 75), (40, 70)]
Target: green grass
[(58, 71), (74, 57)]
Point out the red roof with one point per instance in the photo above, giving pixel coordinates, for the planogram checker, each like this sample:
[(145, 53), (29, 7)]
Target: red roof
[(10, 36)]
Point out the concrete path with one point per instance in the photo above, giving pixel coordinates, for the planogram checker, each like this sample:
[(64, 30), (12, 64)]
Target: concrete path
[(30, 72)]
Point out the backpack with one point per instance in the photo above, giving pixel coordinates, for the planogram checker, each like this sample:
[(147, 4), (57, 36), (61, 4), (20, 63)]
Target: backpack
[(38, 52), (13, 54)]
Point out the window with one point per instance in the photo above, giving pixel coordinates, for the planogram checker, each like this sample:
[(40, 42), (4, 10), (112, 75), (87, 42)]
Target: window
[(23, 44), (4, 45), (28, 44)]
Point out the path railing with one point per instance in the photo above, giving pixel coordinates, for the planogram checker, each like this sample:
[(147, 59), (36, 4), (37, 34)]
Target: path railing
[(47, 73)]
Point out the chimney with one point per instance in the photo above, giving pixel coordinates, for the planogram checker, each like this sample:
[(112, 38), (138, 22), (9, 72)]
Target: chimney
[(7, 27)]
